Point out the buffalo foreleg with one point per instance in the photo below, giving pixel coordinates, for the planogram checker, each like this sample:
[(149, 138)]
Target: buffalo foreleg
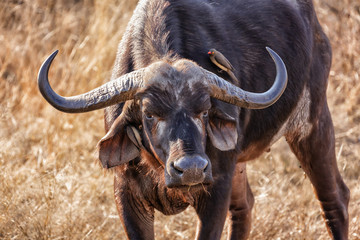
[(212, 208), (242, 201), (316, 153), (136, 215)]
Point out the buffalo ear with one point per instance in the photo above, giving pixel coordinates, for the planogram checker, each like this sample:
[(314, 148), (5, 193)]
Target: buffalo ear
[(116, 147), (222, 130)]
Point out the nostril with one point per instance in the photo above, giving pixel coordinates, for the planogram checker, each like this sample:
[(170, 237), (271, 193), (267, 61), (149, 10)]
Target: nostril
[(205, 168), (177, 169), (202, 164)]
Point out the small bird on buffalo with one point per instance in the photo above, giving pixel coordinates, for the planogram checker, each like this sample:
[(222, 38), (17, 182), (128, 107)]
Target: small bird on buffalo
[(221, 61)]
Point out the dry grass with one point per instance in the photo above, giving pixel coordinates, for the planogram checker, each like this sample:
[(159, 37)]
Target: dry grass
[(51, 184)]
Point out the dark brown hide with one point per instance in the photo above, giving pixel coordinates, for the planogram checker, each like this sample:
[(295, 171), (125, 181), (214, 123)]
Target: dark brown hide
[(173, 30), (174, 144)]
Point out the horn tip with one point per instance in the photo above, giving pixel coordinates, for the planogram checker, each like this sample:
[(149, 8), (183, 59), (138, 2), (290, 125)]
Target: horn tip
[(52, 56), (270, 50)]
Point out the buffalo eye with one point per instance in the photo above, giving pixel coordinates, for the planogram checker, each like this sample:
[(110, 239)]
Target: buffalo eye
[(205, 114), (148, 115)]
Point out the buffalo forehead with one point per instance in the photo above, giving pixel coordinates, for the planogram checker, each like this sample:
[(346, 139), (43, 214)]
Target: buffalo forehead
[(183, 80), (180, 73)]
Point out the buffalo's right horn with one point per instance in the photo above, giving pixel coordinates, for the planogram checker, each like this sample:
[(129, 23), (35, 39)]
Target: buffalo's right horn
[(227, 92), (118, 90)]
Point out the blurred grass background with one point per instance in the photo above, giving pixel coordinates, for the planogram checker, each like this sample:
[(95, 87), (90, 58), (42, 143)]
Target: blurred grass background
[(51, 185)]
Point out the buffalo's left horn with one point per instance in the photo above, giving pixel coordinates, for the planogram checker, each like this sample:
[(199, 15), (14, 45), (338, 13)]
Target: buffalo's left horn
[(118, 90), (227, 92)]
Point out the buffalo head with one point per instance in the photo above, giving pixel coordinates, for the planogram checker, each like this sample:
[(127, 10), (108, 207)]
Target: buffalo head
[(169, 114)]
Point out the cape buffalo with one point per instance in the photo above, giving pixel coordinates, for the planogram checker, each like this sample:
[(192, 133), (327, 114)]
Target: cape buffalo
[(179, 130)]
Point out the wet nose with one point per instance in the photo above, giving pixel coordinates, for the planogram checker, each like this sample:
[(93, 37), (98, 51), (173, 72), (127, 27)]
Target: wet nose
[(190, 170)]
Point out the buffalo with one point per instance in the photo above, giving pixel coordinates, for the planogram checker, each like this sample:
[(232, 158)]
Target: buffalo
[(179, 130)]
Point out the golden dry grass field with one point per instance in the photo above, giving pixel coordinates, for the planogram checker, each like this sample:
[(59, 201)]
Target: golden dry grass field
[(51, 185)]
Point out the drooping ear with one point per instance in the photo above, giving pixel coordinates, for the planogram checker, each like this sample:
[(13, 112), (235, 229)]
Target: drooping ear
[(222, 129), (116, 147)]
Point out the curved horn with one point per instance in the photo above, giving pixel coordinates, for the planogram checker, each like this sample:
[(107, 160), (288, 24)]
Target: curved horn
[(227, 92), (118, 90)]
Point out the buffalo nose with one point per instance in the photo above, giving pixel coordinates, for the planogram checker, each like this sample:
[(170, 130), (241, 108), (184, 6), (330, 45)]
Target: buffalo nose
[(190, 170)]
